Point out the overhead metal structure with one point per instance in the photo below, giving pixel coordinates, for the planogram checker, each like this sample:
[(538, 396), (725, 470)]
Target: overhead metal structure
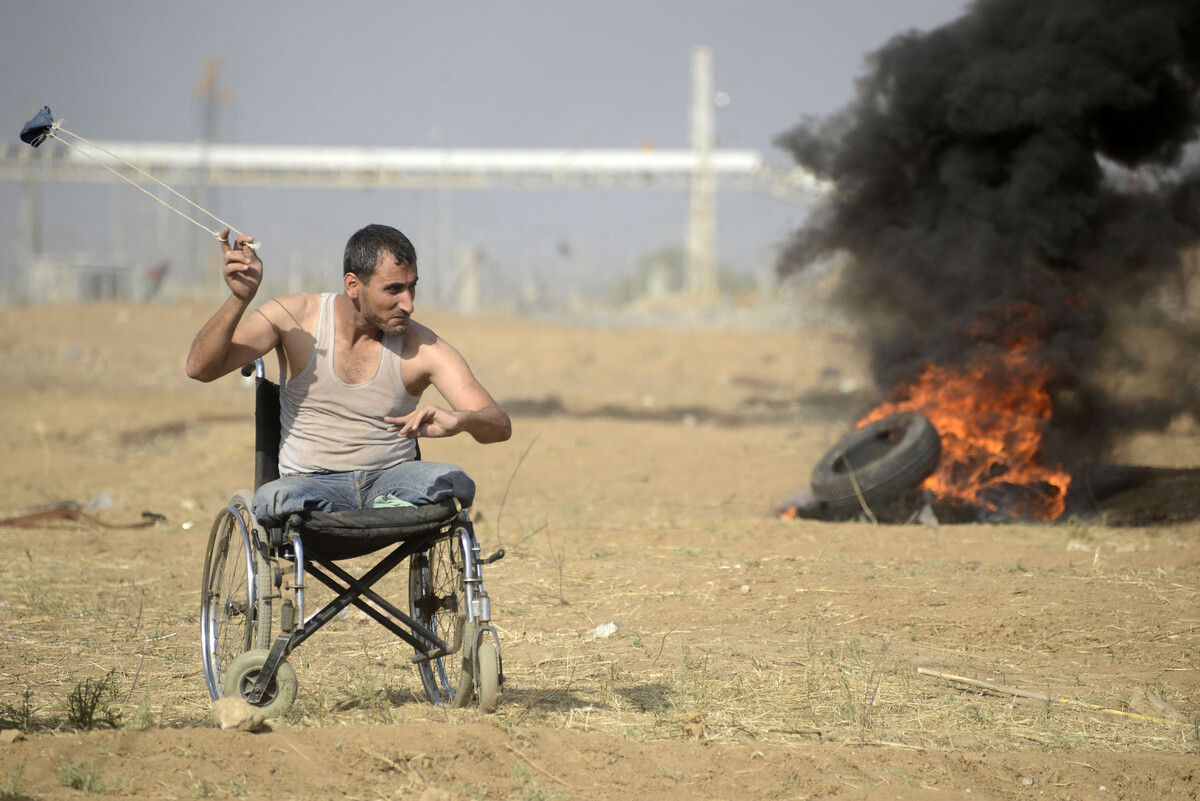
[(412, 168)]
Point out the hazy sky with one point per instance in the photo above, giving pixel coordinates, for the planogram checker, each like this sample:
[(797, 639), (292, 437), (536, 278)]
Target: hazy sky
[(467, 73)]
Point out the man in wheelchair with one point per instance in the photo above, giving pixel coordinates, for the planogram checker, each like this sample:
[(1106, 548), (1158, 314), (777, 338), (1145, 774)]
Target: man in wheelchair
[(352, 369)]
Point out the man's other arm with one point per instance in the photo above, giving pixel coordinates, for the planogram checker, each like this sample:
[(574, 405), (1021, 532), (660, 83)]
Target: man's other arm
[(472, 408)]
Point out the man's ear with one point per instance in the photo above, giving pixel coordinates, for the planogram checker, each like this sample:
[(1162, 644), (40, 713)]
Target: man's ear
[(353, 286)]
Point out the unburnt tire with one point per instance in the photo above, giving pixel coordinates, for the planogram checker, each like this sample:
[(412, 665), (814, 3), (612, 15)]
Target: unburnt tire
[(885, 459)]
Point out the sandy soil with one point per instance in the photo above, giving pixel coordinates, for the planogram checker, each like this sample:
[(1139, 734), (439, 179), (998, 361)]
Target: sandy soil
[(754, 657)]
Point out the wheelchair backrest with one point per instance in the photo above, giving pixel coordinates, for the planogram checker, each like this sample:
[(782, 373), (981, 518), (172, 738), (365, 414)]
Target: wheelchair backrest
[(266, 432)]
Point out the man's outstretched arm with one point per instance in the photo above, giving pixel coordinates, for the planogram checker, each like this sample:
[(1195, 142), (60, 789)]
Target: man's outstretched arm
[(487, 424)]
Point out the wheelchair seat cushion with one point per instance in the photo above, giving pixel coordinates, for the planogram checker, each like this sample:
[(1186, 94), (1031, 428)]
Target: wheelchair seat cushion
[(343, 535)]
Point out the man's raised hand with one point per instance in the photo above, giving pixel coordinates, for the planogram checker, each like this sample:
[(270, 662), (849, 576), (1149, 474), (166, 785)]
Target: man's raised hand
[(243, 268)]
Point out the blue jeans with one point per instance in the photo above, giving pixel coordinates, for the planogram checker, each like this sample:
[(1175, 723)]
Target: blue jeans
[(415, 482)]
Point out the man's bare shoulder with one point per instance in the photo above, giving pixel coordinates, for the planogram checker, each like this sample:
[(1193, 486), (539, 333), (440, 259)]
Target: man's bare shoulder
[(288, 312), (426, 350), (419, 335)]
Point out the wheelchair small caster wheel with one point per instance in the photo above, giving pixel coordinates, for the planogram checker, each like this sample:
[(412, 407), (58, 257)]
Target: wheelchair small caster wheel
[(489, 677), (280, 692)]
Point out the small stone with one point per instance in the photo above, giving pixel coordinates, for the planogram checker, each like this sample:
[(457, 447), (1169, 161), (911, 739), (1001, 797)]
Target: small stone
[(237, 713), (10, 736)]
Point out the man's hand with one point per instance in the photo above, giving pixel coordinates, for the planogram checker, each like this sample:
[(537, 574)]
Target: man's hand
[(225, 343), (425, 421), (243, 268)]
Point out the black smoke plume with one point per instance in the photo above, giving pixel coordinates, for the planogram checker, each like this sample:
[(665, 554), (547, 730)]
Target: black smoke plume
[(1033, 154)]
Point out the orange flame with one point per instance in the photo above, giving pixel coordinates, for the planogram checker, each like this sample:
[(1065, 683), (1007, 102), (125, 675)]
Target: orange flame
[(991, 414)]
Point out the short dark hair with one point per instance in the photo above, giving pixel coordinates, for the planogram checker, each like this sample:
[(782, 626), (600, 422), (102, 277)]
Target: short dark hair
[(369, 244)]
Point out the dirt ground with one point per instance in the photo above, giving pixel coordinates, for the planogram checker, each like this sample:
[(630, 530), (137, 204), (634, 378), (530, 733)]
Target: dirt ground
[(753, 657)]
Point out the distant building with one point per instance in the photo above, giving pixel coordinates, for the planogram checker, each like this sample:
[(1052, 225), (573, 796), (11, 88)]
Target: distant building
[(84, 278)]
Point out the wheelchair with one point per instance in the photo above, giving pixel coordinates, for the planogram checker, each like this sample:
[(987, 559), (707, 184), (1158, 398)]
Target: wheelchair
[(255, 579)]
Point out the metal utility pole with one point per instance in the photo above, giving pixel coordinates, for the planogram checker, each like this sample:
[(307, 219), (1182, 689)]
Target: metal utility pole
[(470, 291), (701, 265), (211, 97)]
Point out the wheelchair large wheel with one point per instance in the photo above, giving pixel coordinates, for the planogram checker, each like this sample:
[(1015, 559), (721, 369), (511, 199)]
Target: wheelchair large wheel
[(437, 600), (235, 611), (281, 690)]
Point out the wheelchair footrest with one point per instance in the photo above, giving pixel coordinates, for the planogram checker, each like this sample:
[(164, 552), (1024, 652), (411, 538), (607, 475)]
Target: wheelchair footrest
[(438, 653)]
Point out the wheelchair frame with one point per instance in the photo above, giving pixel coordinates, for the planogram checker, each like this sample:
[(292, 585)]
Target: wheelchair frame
[(448, 623)]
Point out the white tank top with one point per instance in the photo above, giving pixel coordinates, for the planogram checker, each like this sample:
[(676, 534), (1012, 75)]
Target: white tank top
[(327, 424)]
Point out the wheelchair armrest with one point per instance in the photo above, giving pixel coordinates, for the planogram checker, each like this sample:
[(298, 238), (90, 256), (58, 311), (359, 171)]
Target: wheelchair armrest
[(256, 368)]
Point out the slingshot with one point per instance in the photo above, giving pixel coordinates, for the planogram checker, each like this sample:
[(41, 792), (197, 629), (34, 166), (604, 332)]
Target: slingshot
[(43, 126)]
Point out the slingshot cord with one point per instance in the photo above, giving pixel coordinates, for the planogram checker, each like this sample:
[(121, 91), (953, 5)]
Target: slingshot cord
[(58, 127)]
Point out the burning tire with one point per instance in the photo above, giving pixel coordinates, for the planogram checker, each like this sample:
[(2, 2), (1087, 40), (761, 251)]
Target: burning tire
[(884, 459)]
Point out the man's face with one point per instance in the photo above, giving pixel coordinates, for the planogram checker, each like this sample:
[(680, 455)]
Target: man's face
[(386, 301)]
